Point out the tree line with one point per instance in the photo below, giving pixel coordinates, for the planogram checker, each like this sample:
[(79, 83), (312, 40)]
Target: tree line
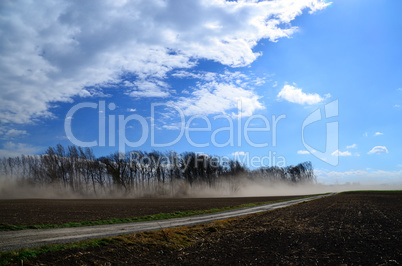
[(78, 170)]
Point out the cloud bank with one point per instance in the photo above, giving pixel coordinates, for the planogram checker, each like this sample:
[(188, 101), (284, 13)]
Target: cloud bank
[(368, 177)]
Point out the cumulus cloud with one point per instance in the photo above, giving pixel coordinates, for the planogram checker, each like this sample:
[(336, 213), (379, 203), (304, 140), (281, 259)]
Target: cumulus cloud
[(378, 134), (296, 95), (239, 153), (378, 150), (53, 50), (341, 153), (225, 92)]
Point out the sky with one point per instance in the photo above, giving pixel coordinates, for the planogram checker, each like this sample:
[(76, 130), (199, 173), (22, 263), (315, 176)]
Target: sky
[(264, 82)]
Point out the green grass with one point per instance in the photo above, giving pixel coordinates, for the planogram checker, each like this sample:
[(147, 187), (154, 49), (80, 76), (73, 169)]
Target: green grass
[(16, 256), (372, 191), (176, 238), (155, 217)]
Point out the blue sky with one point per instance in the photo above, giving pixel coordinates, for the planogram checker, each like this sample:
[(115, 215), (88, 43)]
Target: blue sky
[(183, 68)]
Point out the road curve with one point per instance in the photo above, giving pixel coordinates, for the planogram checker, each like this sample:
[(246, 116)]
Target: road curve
[(11, 240)]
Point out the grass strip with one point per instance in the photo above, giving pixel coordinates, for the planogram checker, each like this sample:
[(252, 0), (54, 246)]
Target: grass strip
[(372, 191), (18, 256), (155, 217)]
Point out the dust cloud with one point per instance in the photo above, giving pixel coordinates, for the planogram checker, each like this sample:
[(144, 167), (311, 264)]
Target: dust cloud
[(18, 189)]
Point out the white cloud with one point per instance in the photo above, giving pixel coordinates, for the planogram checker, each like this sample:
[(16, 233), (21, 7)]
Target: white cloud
[(259, 81), (171, 127), (353, 146), (131, 109), (378, 134), (341, 153), (296, 95), (303, 152), (378, 150), (221, 95), (55, 50), (11, 149), (7, 133), (239, 153), (206, 76), (146, 88), (15, 133)]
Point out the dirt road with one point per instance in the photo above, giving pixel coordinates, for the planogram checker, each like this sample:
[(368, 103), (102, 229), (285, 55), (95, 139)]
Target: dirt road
[(60, 211), (29, 238)]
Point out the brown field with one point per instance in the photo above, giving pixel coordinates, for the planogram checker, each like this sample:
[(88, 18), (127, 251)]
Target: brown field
[(352, 229), (59, 211)]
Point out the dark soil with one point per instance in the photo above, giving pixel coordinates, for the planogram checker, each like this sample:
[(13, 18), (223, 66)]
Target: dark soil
[(60, 211), (352, 229)]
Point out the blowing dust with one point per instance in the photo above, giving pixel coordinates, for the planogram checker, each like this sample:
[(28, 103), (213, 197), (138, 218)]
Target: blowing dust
[(18, 189)]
